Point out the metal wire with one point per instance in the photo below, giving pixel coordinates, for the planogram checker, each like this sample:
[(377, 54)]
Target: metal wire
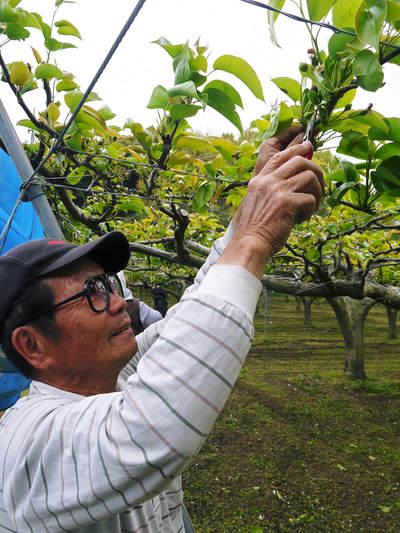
[(297, 18)]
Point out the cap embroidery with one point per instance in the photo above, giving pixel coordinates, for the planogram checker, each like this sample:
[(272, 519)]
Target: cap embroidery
[(56, 242)]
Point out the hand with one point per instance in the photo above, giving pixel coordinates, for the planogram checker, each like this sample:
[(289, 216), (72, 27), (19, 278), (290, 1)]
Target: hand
[(288, 185)]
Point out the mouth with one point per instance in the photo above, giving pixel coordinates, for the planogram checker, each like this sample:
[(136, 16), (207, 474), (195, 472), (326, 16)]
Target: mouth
[(125, 328)]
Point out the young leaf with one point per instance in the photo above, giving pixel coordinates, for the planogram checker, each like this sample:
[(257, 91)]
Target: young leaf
[(7, 14), (227, 89), (37, 55), (195, 144), (370, 18), (72, 99), (388, 150), (182, 71), (368, 70), (386, 177), (159, 98), (355, 145), (318, 9), (343, 13), (66, 85), (67, 28), (242, 70), (172, 49), (184, 89), (289, 86), (272, 16), (221, 103), (281, 118), (15, 32), (178, 111), (46, 71)]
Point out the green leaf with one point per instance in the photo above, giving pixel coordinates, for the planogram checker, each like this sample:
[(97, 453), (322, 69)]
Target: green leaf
[(350, 171), (106, 113), (281, 118), (289, 86), (343, 13), (227, 89), (182, 71), (67, 28), (198, 63), (346, 99), (388, 150), (178, 111), (221, 103), (386, 177), (368, 70), (184, 89), (7, 14), (338, 193), (28, 19), (370, 18), (338, 43), (76, 175), (393, 11), (66, 85), (72, 99), (87, 110), (272, 16), (15, 32), (46, 71), (28, 124), (355, 145), (172, 49), (195, 144), (318, 9), (132, 204), (241, 69), (159, 98), (203, 196), (226, 147)]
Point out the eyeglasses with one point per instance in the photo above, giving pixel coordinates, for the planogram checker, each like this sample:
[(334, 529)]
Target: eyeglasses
[(97, 292)]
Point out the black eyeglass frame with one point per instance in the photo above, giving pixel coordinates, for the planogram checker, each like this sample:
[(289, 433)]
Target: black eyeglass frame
[(86, 292)]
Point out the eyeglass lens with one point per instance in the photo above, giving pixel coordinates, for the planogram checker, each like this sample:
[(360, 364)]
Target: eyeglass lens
[(99, 290)]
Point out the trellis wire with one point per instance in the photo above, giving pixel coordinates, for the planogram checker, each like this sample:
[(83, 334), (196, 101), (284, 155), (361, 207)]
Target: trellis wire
[(304, 20)]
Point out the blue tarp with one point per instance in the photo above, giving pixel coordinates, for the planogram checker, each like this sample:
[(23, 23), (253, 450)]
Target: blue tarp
[(25, 227)]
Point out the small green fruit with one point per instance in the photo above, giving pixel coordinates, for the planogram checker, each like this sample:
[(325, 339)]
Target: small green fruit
[(19, 73), (303, 67)]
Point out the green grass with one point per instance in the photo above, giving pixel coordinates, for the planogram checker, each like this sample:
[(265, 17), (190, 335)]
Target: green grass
[(299, 446)]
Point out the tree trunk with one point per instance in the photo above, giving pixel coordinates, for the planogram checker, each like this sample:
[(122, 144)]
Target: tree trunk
[(298, 303), (392, 317), (307, 302), (351, 315)]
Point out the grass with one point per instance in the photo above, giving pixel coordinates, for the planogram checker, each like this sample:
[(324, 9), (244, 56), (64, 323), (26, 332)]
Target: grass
[(300, 447)]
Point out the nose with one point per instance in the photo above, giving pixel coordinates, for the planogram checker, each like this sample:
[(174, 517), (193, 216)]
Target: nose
[(117, 304)]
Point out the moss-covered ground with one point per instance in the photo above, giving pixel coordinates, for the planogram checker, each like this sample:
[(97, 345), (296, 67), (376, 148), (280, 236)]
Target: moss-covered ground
[(299, 446)]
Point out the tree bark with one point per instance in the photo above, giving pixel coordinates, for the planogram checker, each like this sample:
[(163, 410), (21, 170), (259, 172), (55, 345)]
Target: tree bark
[(351, 315), (392, 318), (298, 303), (307, 302)]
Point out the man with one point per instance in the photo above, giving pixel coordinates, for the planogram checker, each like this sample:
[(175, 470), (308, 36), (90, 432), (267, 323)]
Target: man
[(99, 443), (142, 315)]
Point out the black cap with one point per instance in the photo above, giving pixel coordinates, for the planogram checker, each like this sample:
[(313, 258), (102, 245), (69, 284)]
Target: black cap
[(27, 262)]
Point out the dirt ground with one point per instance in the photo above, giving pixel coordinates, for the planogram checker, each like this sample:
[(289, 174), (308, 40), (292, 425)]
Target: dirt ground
[(300, 447)]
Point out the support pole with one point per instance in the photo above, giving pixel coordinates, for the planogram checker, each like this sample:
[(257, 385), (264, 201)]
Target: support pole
[(24, 168)]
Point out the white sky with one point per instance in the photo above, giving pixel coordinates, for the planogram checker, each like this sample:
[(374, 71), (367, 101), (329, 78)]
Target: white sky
[(227, 26)]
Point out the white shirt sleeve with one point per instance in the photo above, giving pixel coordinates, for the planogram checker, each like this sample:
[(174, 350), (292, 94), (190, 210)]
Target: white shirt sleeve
[(148, 315)]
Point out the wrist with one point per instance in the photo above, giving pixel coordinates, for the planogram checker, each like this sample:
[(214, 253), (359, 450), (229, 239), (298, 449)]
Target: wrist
[(248, 251)]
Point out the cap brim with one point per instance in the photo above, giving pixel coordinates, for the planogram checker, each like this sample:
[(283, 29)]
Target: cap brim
[(110, 251)]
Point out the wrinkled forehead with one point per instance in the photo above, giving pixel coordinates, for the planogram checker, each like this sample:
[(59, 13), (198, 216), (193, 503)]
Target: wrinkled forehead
[(71, 278)]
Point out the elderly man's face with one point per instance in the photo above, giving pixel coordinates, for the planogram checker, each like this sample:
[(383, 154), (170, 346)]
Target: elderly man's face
[(91, 345)]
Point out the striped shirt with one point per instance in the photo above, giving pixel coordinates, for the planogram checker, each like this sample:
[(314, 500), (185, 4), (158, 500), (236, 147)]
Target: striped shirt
[(111, 462)]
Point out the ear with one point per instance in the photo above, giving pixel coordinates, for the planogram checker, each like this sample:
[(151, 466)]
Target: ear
[(32, 346)]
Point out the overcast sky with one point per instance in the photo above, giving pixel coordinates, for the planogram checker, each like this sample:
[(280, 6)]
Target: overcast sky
[(227, 26)]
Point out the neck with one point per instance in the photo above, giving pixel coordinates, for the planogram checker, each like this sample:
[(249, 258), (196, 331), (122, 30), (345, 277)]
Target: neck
[(83, 385)]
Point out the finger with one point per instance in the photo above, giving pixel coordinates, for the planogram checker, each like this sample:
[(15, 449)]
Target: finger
[(305, 206), (287, 136), (279, 158), (307, 183), (268, 148), (296, 165), (297, 140)]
